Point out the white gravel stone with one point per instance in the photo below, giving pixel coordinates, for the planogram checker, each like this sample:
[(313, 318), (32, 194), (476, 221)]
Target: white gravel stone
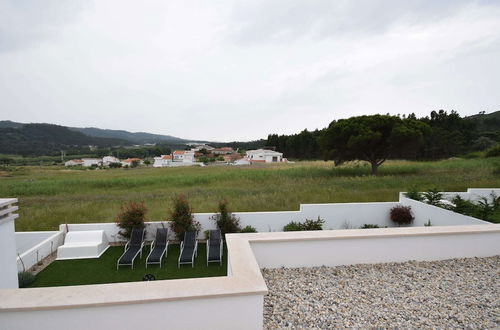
[(456, 293)]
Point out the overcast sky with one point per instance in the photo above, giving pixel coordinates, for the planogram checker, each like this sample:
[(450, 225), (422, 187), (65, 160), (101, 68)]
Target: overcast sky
[(239, 70)]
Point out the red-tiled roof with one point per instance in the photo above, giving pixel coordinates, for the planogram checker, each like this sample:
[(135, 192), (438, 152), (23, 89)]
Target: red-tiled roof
[(130, 160), (167, 157), (179, 152)]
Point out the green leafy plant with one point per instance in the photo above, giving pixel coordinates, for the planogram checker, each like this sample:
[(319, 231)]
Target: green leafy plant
[(132, 215), (433, 197), (413, 193), (181, 217), (401, 215), (369, 226), (493, 152), (115, 165), (292, 226), (248, 229), (225, 220), (428, 223), (309, 224), (25, 279)]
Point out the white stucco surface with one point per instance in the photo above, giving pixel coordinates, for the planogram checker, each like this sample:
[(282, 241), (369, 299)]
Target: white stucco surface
[(8, 268)]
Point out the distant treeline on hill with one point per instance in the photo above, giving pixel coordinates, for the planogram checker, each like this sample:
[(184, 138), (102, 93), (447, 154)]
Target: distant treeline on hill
[(440, 135), (449, 135), (48, 139)]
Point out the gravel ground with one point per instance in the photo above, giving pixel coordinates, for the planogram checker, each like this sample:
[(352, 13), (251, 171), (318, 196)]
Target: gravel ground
[(457, 293)]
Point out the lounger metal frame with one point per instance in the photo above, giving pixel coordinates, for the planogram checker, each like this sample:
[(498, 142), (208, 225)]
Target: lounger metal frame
[(195, 253), (165, 251), (221, 249), (125, 251)]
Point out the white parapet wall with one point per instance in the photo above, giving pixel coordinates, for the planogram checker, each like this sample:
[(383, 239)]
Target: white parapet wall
[(235, 301), (359, 246), (336, 216), (33, 247), (8, 269), (437, 215)]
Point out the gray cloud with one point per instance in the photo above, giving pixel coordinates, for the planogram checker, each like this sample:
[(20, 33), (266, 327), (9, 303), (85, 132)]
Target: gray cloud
[(25, 22), (271, 21), (229, 70)]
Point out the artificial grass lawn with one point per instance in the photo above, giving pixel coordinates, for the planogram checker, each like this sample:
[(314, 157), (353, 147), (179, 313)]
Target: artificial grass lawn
[(103, 269), (51, 195)]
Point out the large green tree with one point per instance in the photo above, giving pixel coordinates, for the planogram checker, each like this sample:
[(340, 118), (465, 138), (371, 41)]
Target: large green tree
[(373, 139)]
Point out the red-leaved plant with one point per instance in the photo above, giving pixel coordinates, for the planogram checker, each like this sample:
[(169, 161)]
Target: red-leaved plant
[(402, 215), (132, 215)]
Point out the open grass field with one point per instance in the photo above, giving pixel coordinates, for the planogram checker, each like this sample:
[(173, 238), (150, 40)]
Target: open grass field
[(49, 196), (103, 270)]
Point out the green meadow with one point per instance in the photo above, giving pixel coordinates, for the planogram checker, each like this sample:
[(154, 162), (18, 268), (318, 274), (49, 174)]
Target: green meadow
[(50, 195)]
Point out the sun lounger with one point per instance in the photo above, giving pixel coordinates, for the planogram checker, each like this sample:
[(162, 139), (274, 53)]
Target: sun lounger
[(132, 248), (189, 249), (214, 246), (159, 248)]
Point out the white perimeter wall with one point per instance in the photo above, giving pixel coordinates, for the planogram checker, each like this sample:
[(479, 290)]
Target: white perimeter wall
[(231, 312), (375, 249), (438, 216), (41, 250), (8, 271), (336, 216)]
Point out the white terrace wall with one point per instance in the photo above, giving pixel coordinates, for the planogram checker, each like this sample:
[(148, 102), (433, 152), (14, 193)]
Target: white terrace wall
[(336, 216), (8, 273), (232, 312), (473, 194), (349, 215), (307, 249), (438, 216), (30, 257)]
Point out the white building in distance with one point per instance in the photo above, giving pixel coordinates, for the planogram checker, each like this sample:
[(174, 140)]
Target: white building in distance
[(109, 159), (163, 161), (264, 156), (74, 162), (185, 156), (88, 162)]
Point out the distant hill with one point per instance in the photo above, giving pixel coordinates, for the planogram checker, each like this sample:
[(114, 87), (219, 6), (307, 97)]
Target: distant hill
[(137, 138), (46, 139), (486, 122), (10, 124)]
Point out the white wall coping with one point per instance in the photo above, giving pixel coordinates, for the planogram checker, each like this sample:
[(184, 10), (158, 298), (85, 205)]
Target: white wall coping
[(6, 209), (245, 278)]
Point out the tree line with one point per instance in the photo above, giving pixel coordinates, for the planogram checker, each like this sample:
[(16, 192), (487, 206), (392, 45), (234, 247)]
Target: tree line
[(379, 137)]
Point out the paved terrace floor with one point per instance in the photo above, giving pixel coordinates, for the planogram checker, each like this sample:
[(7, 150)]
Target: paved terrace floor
[(456, 293)]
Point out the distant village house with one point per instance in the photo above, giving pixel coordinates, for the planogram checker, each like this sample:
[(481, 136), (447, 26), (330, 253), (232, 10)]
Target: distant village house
[(163, 161), (74, 162), (264, 156)]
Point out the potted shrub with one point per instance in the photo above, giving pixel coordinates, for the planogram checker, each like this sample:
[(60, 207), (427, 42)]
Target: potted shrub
[(249, 229), (402, 215), (181, 217), (309, 224), (132, 215), (225, 220)]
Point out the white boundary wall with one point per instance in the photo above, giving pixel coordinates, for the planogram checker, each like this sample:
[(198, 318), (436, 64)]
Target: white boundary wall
[(235, 301), (336, 216), (41, 250), (373, 246), (8, 273), (437, 215), (241, 312)]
